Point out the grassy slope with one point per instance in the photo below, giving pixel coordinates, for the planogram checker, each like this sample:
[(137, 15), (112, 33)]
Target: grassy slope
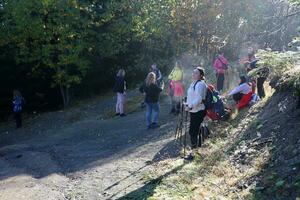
[(233, 163)]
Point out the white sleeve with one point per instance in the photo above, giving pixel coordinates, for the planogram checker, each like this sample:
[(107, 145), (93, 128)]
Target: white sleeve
[(236, 90), (159, 75)]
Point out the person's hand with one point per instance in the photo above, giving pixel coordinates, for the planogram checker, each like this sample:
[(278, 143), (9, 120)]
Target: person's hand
[(187, 108)]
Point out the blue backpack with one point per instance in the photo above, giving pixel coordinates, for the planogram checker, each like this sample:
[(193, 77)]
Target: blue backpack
[(17, 104)]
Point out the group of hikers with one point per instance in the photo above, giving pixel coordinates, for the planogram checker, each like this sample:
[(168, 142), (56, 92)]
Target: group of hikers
[(201, 100)]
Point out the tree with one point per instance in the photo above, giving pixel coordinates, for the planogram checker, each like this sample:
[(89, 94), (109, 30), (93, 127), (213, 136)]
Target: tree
[(49, 37)]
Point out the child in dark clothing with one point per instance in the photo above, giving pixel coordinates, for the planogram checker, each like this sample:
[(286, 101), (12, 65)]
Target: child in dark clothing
[(18, 103)]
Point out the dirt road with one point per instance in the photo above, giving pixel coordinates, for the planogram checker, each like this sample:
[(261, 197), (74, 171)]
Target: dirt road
[(90, 158)]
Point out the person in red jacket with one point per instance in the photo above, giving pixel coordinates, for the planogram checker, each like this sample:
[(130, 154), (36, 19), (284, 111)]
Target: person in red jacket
[(242, 94)]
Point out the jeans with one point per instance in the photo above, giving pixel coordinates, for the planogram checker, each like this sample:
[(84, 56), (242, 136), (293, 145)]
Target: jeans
[(152, 113)]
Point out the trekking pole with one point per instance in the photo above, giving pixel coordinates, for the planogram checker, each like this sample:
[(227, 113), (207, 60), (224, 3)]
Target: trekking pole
[(179, 123), (185, 132), (182, 121)]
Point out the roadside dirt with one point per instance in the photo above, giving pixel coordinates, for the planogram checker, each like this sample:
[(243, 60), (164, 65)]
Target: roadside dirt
[(79, 155)]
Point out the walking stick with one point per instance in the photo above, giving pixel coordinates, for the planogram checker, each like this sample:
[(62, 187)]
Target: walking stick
[(179, 123), (185, 132)]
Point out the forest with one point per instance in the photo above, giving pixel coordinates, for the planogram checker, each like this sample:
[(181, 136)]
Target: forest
[(58, 51)]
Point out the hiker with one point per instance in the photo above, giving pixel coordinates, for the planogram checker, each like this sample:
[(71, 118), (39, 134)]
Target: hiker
[(18, 103), (151, 91), (221, 66), (218, 110), (120, 88), (242, 94), (250, 63), (157, 73), (194, 105), (176, 90)]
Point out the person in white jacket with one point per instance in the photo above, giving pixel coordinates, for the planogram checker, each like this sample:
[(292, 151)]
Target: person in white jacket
[(194, 105)]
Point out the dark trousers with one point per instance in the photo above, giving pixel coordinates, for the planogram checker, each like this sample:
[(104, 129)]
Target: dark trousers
[(18, 119), (260, 87), (195, 121), (220, 81), (237, 97)]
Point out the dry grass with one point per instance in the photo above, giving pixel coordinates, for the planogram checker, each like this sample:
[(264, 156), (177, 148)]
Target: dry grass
[(212, 175)]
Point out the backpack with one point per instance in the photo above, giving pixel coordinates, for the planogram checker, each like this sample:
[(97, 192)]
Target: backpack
[(18, 103), (209, 98)]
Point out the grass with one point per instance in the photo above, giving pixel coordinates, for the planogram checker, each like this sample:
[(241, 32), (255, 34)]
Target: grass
[(213, 175)]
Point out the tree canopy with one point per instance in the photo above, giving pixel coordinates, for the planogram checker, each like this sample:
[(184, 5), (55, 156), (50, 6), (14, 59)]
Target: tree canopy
[(52, 49)]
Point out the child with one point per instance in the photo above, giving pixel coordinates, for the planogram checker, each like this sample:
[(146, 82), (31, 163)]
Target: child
[(18, 103)]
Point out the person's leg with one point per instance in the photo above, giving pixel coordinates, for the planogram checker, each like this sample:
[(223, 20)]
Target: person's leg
[(220, 81), (222, 78), (148, 114), (237, 97), (200, 119), (118, 104), (18, 120), (122, 102), (260, 87), (155, 113), (194, 128)]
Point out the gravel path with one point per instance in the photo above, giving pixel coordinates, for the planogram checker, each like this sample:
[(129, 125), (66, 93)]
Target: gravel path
[(90, 158)]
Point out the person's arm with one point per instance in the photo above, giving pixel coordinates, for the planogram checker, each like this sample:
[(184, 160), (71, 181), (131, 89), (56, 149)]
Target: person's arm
[(236, 90), (159, 75), (171, 75), (215, 65), (142, 88)]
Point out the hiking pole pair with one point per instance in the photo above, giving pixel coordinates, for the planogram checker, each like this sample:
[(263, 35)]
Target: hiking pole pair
[(182, 127)]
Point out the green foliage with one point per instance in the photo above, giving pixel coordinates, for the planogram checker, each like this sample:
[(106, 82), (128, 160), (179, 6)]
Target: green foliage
[(72, 42), (278, 61)]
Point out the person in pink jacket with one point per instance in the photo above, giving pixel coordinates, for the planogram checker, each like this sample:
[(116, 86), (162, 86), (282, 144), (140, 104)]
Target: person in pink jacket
[(220, 66)]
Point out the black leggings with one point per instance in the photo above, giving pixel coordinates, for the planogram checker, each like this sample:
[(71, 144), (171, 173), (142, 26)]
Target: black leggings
[(18, 119), (260, 87), (195, 121), (220, 81), (237, 97)]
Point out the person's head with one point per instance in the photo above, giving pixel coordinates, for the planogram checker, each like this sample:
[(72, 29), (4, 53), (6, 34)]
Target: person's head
[(153, 66), (16, 93), (251, 51), (151, 78), (198, 73), (177, 65), (220, 54), (243, 79), (121, 72)]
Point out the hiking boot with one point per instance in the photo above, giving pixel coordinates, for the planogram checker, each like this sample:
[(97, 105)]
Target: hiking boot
[(154, 125), (123, 115), (117, 114)]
